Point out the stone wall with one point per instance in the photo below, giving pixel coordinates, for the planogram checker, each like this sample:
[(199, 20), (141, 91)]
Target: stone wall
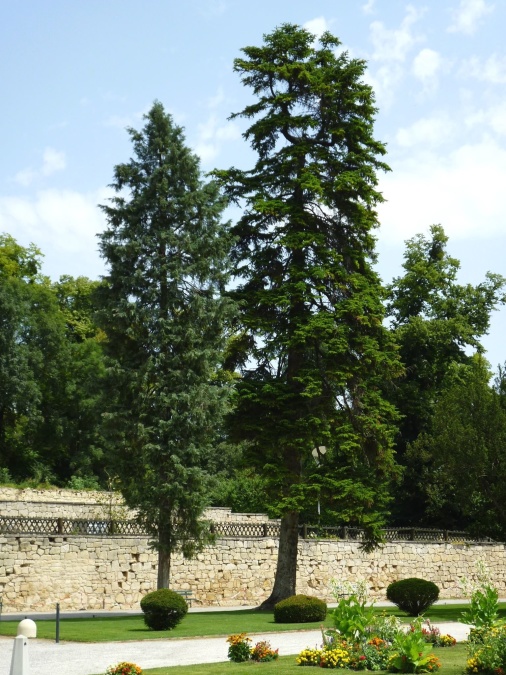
[(112, 572), (90, 572), (90, 504), (61, 504)]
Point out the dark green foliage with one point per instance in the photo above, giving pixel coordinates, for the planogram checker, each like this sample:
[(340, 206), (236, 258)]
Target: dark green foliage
[(164, 316), (310, 343), (163, 609), (300, 609), (467, 432), (413, 596), (243, 492), (50, 383), (437, 324)]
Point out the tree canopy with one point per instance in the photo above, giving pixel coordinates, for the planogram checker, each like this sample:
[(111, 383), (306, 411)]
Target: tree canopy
[(437, 323), (310, 341), (462, 455), (50, 384), (163, 314)]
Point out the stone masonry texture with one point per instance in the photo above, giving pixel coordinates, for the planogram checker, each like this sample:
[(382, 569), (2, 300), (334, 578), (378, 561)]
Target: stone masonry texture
[(93, 572)]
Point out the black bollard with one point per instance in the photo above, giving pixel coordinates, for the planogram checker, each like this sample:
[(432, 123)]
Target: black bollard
[(57, 622)]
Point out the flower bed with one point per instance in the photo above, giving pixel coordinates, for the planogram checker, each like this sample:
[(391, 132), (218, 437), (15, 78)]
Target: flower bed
[(362, 640)]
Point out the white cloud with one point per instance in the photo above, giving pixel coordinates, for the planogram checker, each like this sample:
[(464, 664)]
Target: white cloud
[(463, 191), (468, 14), (391, 47), (384, 81), (368, 8), (212, 135), (52, 160), (489, 119), (393, 44), (317, 26), (426, 66), (493, 70), (497, 118), (428, 131), (25, 177), (63, 223)]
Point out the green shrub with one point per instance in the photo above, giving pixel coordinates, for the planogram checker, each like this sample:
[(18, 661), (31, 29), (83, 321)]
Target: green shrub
[(483, 611), (413, 595), (300, 609), (352, 618), (411, 654), (163, 609)]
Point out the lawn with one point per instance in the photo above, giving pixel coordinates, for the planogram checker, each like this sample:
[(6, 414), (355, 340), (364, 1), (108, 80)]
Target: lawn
[(440, 612), (452, 663), (195, 624)]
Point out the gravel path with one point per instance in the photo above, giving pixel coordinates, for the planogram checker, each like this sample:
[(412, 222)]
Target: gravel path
[(75, 658)]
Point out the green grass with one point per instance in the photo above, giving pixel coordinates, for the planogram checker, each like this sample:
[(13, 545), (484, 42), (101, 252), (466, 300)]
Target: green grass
[(195, 624), (438, 613), (452, 663)]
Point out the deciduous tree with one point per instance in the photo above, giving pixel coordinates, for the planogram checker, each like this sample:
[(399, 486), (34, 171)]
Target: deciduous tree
[(437, 323), (462, 453), (51, 367)]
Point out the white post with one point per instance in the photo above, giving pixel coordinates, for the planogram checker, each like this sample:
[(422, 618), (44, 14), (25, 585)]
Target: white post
[(19, 663)]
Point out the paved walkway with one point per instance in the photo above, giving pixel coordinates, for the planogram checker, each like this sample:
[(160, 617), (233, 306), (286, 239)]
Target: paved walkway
[(75, 658)]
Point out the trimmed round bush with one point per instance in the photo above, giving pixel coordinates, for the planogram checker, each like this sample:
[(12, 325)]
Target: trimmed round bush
[(413, 595), (300, 609), (163, 609)]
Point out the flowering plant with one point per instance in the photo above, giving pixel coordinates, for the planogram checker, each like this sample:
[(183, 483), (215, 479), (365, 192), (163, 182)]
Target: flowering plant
[(376, 653), (124, 668), (309, 657), (262, 652), (431, 634), (385, 626), (239, 649), (447, 641), (411, 653), (335, 658), (487, 652)]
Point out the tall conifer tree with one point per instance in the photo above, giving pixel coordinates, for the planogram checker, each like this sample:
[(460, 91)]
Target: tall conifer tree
[(314, 351), (164, 317)]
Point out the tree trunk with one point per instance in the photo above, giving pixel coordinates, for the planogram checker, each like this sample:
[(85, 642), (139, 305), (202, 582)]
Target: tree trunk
[(286, 569), (163, 569)]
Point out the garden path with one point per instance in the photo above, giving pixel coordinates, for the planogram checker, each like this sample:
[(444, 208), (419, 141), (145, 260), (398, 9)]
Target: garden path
[(73, 658)]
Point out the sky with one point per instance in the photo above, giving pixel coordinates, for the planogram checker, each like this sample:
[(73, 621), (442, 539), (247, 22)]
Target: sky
[(75, 75)]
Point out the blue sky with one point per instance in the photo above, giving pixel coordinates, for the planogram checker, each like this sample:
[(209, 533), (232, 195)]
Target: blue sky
[(75, 74)]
